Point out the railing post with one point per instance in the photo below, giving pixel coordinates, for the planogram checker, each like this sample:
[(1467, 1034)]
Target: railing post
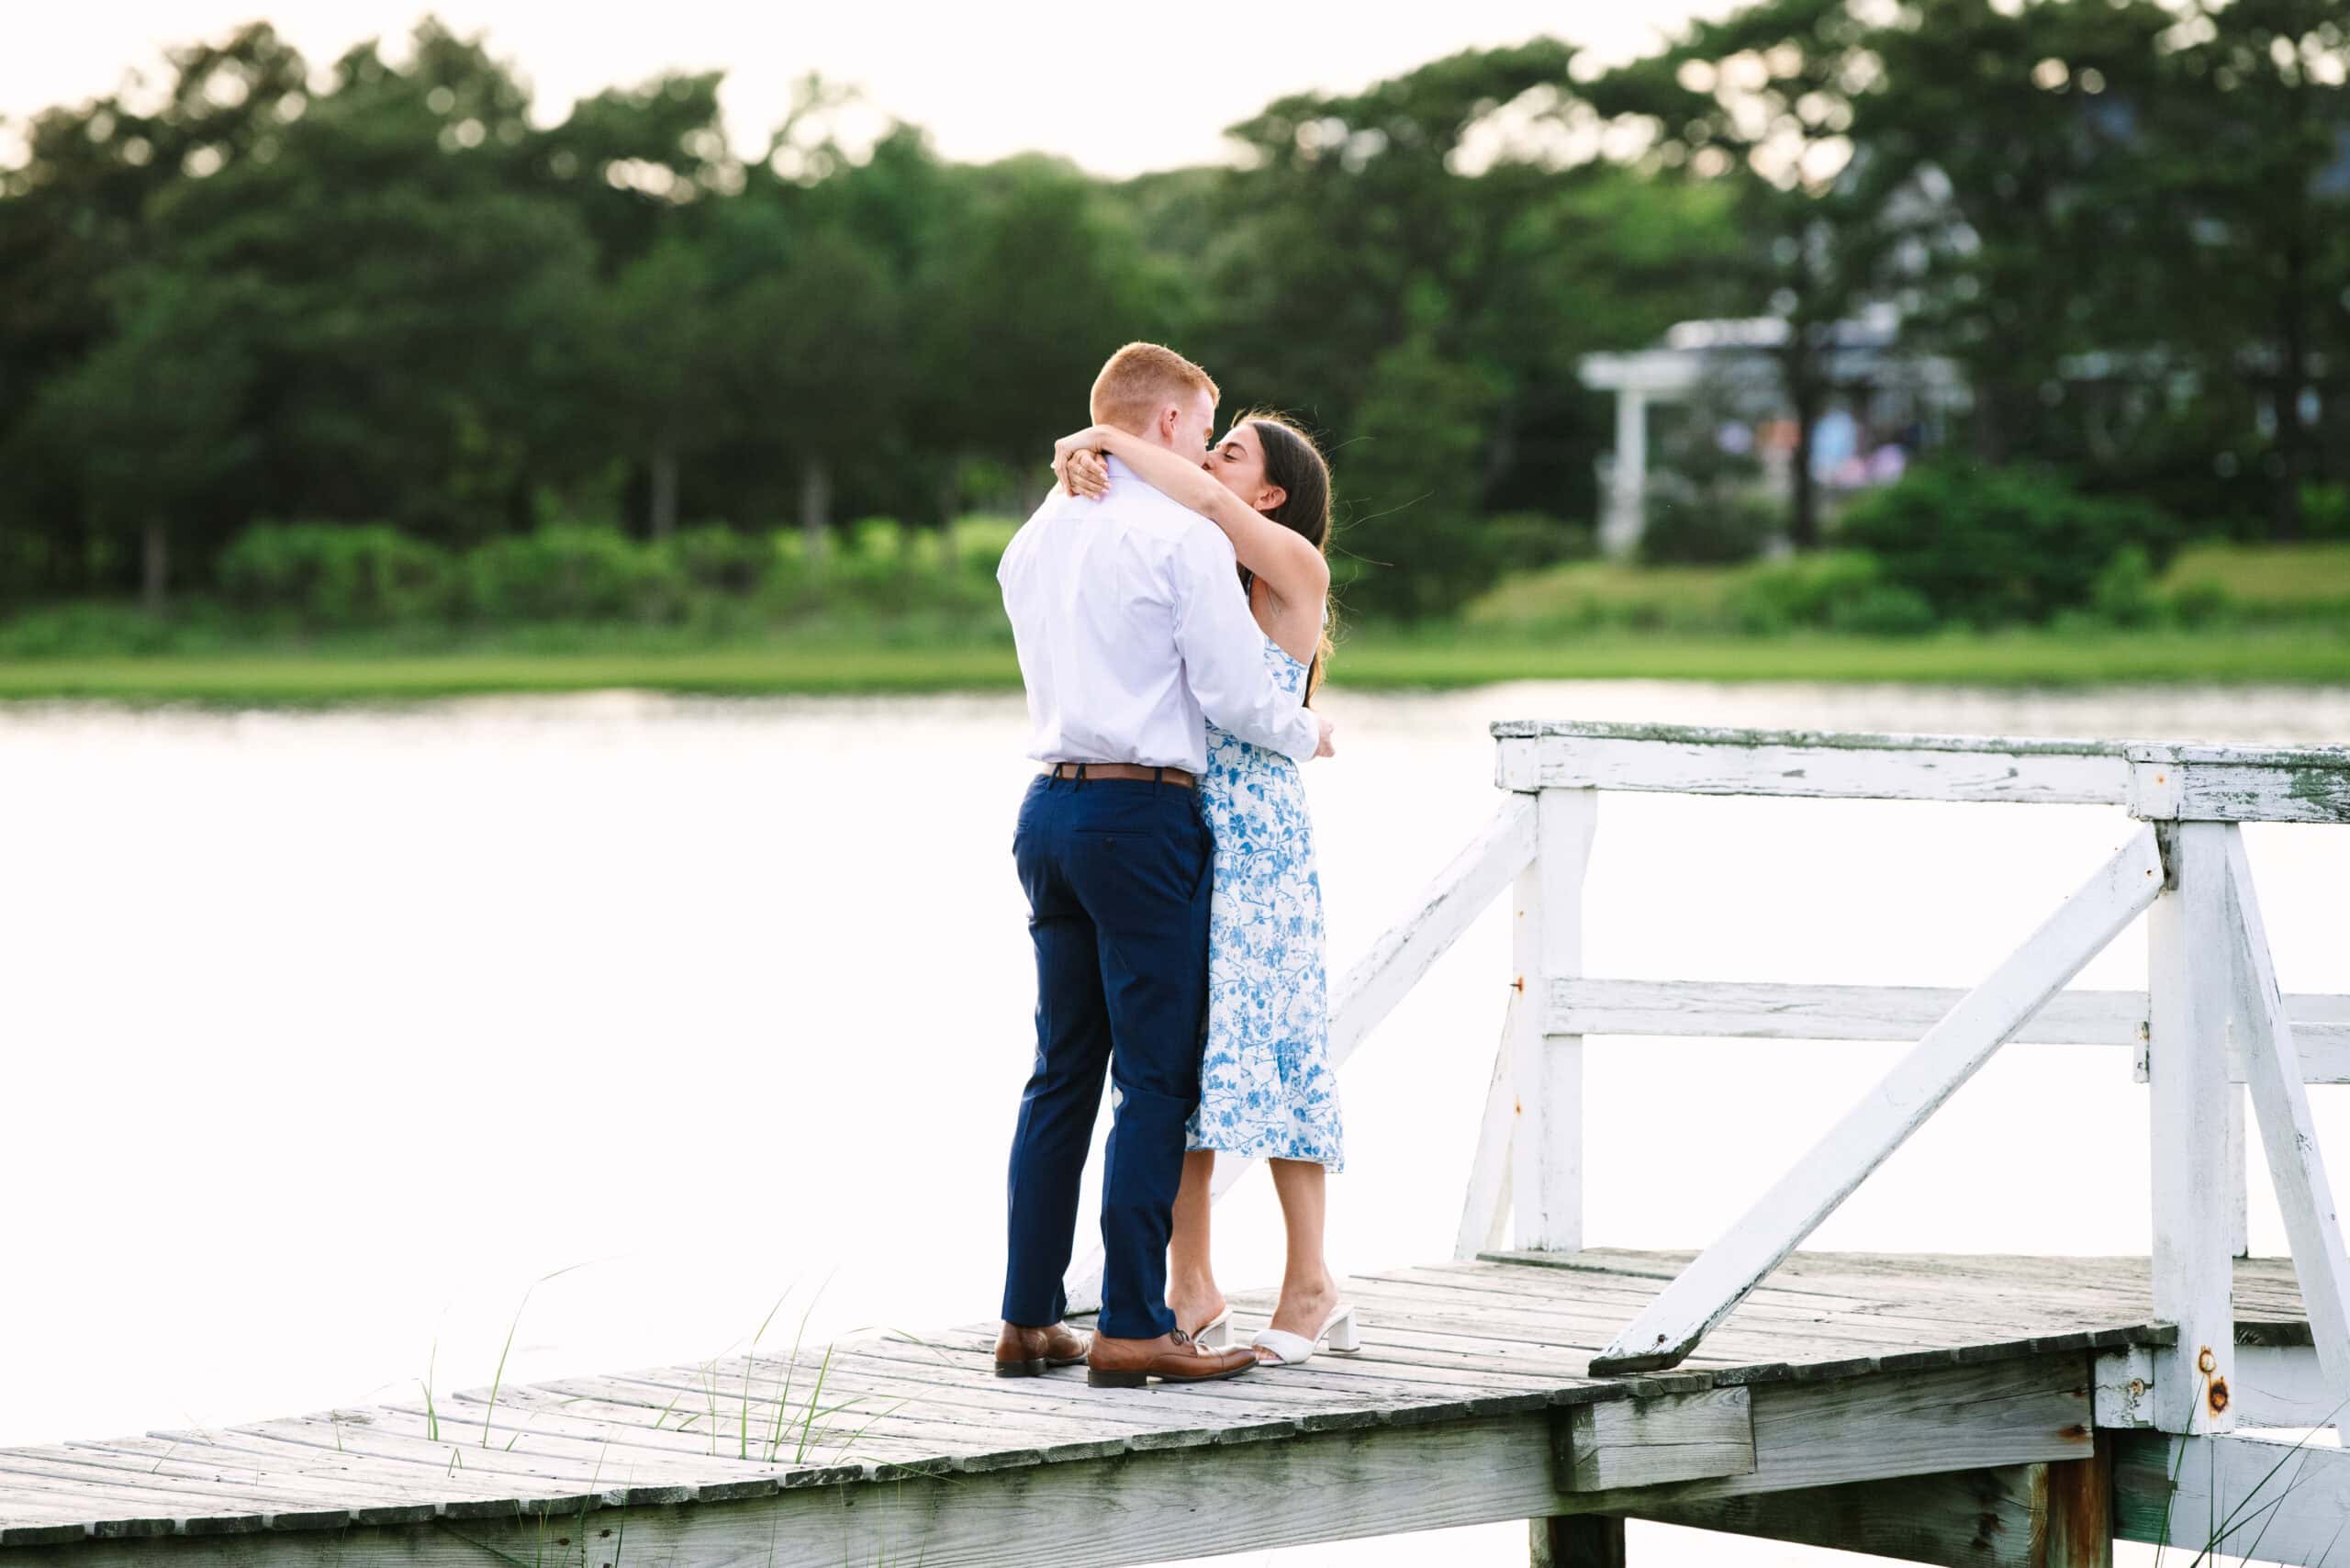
[(2188, 974), (1546, 1178)]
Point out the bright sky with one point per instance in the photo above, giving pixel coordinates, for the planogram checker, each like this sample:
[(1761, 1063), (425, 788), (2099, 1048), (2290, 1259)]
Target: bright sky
[(1117, 88)]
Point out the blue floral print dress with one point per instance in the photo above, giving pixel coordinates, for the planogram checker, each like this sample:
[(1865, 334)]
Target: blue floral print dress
[(1266, 1086)]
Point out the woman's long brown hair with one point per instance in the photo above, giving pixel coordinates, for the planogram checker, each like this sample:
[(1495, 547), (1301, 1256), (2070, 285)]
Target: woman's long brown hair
[(1296, 464)]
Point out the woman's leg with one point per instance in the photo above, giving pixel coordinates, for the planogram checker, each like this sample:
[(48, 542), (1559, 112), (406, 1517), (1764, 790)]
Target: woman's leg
[(1192, 1294), (1308, 1292)]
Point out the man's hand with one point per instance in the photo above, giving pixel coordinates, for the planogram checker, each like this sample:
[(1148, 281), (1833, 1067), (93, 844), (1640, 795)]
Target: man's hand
[(1326, 748)]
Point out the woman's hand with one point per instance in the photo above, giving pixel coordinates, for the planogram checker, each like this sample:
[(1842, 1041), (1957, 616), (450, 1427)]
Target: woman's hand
[(1077, 463)]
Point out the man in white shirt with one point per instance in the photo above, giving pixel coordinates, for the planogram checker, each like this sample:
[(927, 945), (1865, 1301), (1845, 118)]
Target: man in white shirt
[(1132, 628)]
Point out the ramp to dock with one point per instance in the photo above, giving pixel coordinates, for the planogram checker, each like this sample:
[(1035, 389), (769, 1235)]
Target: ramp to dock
[(1470, 1402)]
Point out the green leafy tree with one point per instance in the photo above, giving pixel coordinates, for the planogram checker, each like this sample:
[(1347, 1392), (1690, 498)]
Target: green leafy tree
[(155, 420), (1762, 103), (810, 355), (420, 319), (1409, 545), (2042, 235), (1455, 208), (1354, 225), (75, 216), (2253, 144), (1036, 281), (658, 349), (633, 162)]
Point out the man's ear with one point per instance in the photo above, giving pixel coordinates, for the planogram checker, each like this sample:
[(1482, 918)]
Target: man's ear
[(1170, 418), (1270, 497)]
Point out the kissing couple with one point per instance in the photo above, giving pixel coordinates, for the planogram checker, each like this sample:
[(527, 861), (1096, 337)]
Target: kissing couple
[(1170, 605)]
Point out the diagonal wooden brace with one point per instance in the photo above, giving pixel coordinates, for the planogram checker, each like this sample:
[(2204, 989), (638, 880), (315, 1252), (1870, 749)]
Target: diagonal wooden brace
[(1718, 1278), (2273, 1072)]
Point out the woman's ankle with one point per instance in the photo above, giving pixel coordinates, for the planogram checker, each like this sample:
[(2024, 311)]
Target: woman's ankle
[(1320, 1282), (1193, 1287)]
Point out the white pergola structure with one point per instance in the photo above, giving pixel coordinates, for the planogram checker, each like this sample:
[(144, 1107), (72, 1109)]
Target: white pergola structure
[(1862, 358)]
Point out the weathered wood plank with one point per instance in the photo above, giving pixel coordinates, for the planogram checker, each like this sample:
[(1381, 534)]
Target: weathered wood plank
[(1763, 1011), (2039, 1515), (2157, 781), (2073, 1511), (1445, 1345), (2288, 1131), (1963, 1519), (1647, 1442), (1873, 1428), (1887, 1319), (1152, 1506), (2267, 1302), (1928, 1075), (1692, 760), (2187, 968), (2196, 783)]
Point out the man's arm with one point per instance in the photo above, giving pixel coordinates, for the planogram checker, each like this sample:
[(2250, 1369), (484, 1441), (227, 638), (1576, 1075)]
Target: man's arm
[(1224, 649)]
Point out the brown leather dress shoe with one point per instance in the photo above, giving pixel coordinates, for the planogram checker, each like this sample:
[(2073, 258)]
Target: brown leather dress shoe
[(1171, 1358), (1030, 1352)]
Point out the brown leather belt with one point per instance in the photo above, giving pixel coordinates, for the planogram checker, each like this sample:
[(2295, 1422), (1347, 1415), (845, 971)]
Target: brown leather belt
[(1084, 770)]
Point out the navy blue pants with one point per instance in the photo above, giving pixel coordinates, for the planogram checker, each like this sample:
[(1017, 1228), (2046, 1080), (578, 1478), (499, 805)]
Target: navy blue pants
[(1117, 872)]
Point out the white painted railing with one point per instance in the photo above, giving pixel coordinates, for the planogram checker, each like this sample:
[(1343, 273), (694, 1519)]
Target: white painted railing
[(2211, 1015), (2210, 977)]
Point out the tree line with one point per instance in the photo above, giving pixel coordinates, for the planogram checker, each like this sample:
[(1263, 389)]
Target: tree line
[(378, 291)]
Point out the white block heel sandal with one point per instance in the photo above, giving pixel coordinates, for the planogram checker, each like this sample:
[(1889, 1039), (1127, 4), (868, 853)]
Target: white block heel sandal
[(1216, 1332), (1296, 1349)]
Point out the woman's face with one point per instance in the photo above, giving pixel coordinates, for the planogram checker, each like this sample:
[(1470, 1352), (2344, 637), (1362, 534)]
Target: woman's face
[(1239, 461)]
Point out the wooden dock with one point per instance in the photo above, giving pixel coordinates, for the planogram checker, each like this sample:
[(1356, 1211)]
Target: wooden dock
[(1933, 1393), (1987, 1411)]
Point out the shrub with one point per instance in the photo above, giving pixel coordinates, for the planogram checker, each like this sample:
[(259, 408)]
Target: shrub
[(336, 573), (572, 574), (716, 559), (1884, 610), (979, 542), (2325, 511), (83, 631), (1999, 545), (1529, 541), (1583, 595), (1686, 526), (2214, 580), (2124, 592), (1802, 590), (1408, 541)]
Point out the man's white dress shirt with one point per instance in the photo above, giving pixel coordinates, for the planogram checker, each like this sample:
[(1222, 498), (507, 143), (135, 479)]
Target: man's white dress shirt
[(1132, 625)]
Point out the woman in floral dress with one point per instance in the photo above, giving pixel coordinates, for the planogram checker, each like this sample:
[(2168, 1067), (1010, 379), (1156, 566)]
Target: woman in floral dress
[(1267, 1090)]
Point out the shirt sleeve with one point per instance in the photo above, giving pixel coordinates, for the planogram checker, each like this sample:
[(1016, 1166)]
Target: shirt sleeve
[(1224, 649)]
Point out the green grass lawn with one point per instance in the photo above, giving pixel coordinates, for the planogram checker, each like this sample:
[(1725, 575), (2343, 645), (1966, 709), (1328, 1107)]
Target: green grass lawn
[(2304, 654)]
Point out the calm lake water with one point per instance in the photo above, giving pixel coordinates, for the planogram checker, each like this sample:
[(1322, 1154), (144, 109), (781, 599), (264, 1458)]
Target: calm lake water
[(327, 1036)]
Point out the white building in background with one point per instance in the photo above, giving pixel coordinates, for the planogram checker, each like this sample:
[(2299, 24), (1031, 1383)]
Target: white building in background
[(1878, 390)]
